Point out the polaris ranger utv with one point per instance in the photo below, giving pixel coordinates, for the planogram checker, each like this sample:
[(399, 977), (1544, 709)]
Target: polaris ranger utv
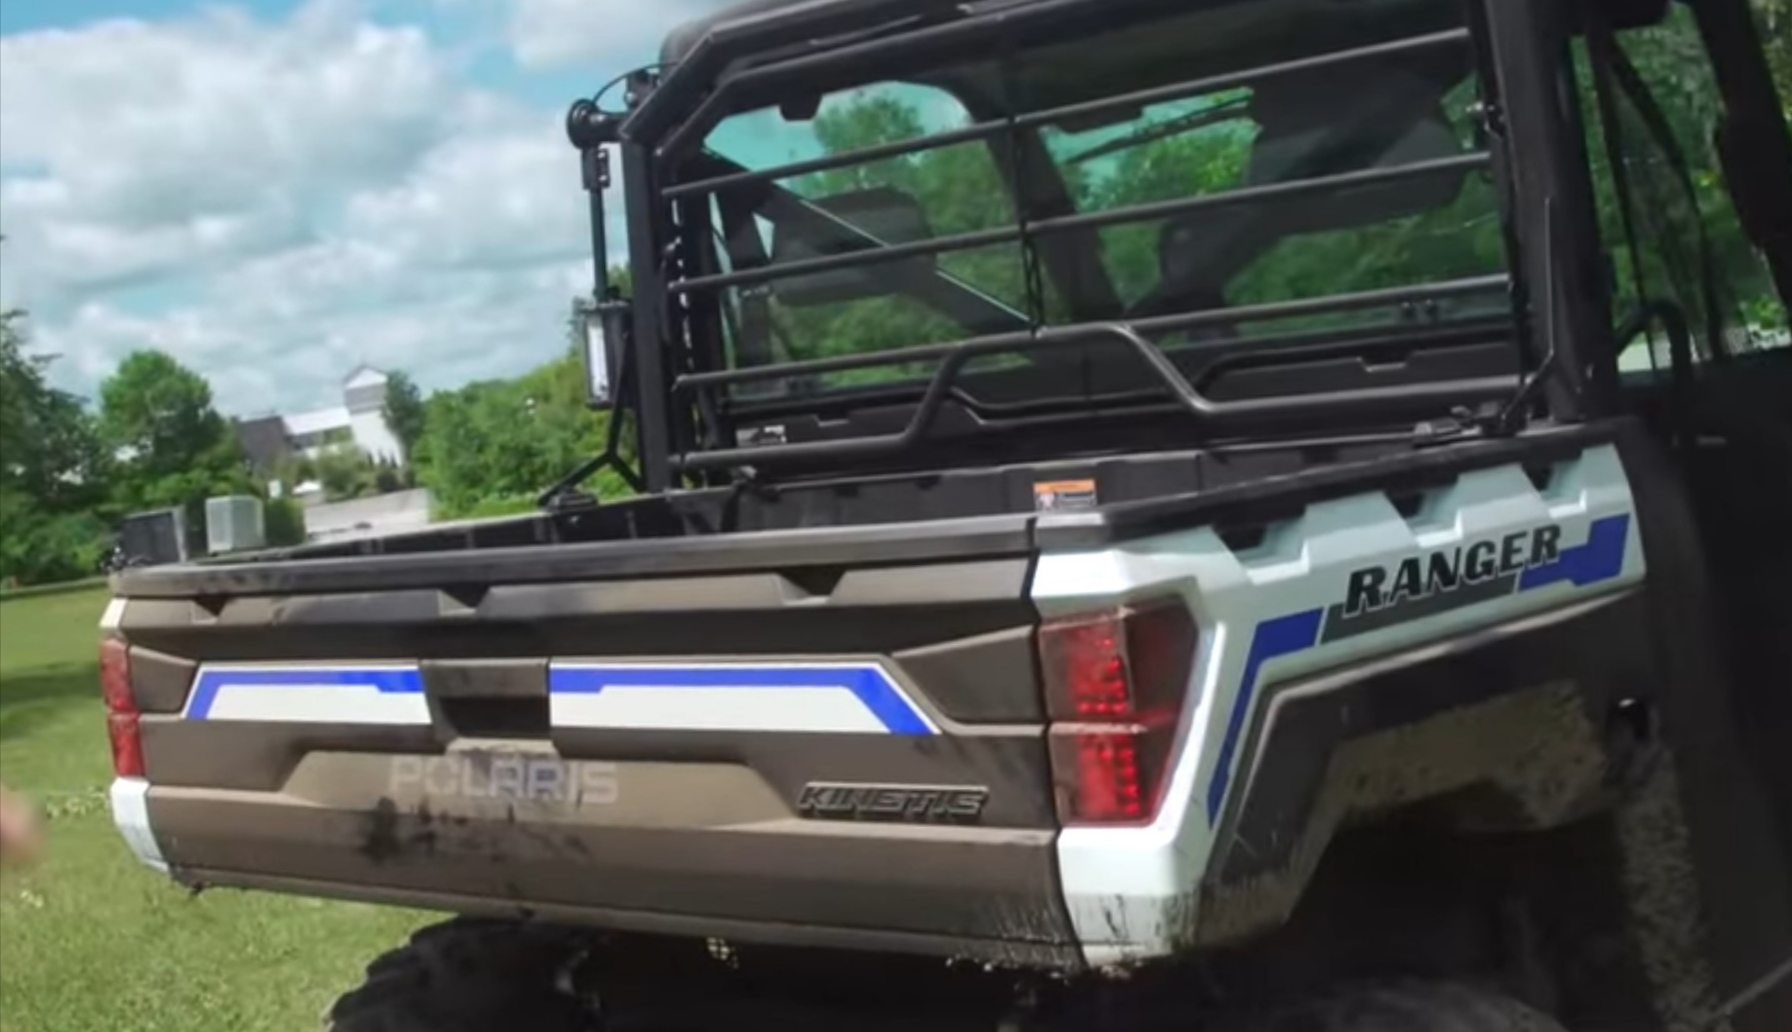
[(1223, 514)]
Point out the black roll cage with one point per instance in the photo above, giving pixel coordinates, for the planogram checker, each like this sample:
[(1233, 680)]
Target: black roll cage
[(1536, 155)]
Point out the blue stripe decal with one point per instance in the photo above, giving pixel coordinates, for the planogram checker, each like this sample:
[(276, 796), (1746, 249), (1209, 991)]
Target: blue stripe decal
[(1601, 558), (1282, 636), (386, 680), (869, 684)]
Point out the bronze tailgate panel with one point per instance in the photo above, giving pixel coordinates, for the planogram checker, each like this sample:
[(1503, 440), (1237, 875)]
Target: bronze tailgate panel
[(693, 824)]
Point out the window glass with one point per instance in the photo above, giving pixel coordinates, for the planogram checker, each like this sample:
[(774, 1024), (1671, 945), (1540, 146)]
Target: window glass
[(1689, 250), (1411, 111)]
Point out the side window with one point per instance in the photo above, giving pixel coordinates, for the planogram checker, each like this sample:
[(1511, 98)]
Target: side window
[(1419, 230), (1671, 231)]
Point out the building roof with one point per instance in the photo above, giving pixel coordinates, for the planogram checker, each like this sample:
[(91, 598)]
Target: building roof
[(264, 441), (363, 376), (303, 424)]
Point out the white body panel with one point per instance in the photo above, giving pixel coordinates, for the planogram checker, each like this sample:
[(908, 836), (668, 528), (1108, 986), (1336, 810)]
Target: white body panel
[(129, 799), (1275, 613)]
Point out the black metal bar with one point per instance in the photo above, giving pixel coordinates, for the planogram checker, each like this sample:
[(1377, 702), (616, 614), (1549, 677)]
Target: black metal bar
[(1086, 220), (950, 296), (1207, 356), (702, 323), (596, 170), (705, 118), (861, 156), (1327, 305), (1267, 192), (652, 395), (1183, 393), (1564, 289), (1161, 324)]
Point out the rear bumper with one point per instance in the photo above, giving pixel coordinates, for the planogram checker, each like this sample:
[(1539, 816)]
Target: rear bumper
[(985, 893), (129, 798)]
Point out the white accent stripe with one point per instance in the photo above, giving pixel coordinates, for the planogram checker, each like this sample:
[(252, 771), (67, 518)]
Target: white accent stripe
[(310, 694), (318, 704), (717, 709), (738, 695), (113, 618), (130, 813)]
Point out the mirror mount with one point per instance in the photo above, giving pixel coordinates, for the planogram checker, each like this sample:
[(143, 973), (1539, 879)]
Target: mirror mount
[(603, 321), (603, 334)]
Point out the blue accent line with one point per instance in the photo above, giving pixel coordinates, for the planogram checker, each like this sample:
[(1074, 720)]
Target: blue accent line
[(869, 684), (1282, 636), (388, 681), (1600, 559)]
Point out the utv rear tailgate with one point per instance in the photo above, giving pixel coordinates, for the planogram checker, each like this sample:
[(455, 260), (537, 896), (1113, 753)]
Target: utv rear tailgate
[(834, 737), (843, 754)]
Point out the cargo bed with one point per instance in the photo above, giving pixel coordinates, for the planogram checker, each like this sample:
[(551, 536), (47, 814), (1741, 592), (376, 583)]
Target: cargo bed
[(825, 736)]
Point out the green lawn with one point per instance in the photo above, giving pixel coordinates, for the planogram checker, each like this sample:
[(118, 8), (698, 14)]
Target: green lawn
[(92, 942)]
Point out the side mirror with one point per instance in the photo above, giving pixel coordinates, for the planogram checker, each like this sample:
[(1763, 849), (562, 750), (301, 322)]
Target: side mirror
[(603, 333)]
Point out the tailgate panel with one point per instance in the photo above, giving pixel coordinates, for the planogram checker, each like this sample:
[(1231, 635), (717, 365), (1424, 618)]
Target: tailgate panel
[(948, 882), (860, 751)]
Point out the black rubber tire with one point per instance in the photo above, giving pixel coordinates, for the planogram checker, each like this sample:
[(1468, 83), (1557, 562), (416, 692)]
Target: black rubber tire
[(1399, 1007), (466, 975)]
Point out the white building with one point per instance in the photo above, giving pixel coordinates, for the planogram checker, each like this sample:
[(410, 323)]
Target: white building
[(360, 420)]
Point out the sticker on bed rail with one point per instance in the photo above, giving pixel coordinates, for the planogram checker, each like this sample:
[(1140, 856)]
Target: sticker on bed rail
[(1064, 495), (366, 694), (840, 698)]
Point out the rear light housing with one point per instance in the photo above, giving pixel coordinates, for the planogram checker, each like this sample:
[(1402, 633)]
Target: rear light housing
[(1116, 684), (123, 719)]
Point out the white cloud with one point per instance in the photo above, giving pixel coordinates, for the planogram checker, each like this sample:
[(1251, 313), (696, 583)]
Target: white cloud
[(278, 350), (547, 33), (274, 203), (164, 145), (506, 197)]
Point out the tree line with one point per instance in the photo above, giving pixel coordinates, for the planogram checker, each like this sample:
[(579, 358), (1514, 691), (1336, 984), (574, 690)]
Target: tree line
[(70, 470), (489, 448)]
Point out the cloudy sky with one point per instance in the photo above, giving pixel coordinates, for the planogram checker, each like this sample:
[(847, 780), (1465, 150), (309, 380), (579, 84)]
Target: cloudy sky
[(275, 192)]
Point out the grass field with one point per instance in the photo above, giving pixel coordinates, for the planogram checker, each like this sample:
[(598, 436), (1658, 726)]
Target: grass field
[(92, 942)]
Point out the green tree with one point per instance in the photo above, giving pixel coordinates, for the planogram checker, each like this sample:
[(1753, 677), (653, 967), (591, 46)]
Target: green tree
[(1671, 227), (173, 447), (49, 450), (285, 522), (1775, 17), (404, 411), (491, 447), (346, 473), (52, 471)]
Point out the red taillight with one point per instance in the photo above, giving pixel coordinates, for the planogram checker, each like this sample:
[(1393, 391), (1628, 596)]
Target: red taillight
[(1116, 682), (123, 721), (127, 744)]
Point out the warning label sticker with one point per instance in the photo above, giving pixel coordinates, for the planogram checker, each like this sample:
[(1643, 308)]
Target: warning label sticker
[(1064, 495)]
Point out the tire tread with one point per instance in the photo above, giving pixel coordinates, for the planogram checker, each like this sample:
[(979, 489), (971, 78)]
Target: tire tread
[(465, 975)]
